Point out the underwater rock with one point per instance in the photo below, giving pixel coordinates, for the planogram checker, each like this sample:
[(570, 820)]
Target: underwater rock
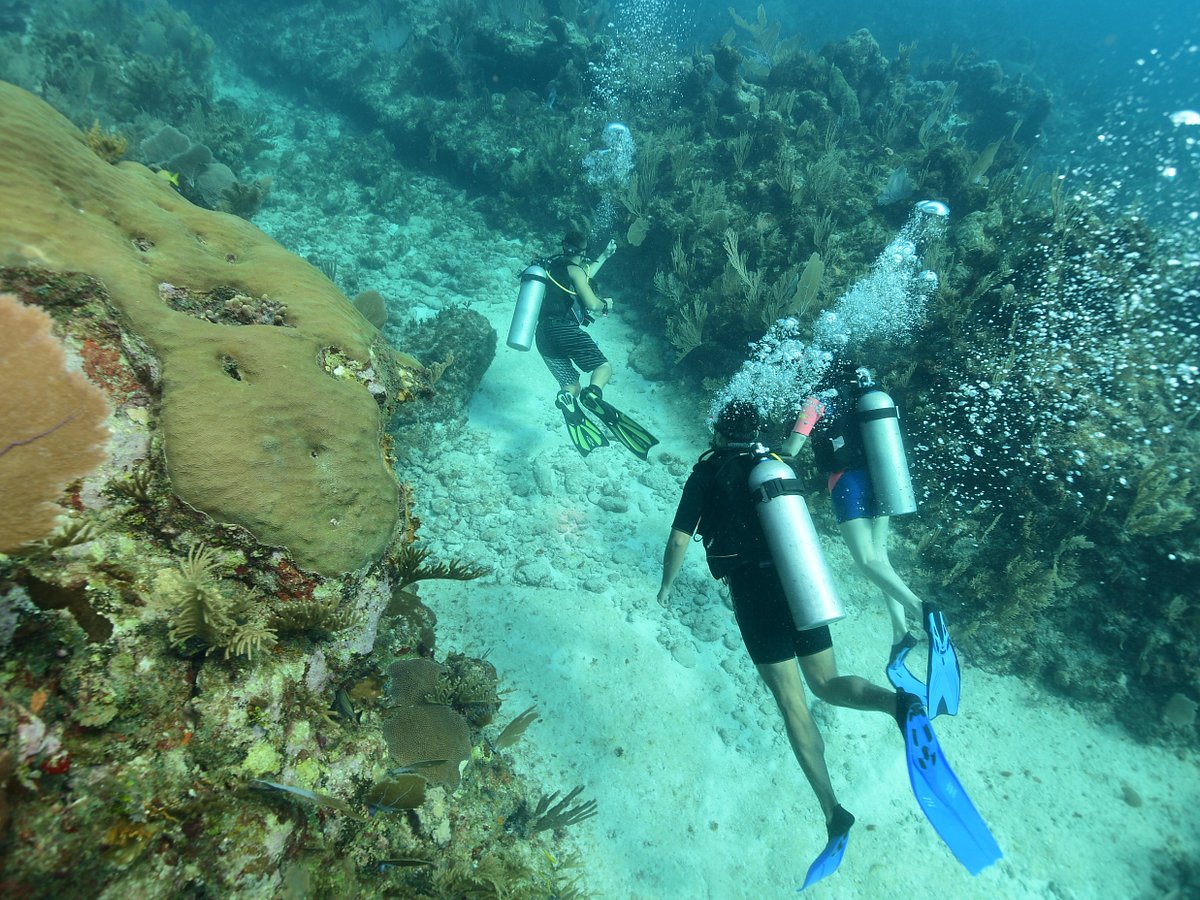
[(860, 62), (1180, 711), (464, 343), (256, 432), (543, 476), (648, 358)]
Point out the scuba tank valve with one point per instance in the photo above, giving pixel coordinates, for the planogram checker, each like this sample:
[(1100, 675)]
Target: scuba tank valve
[(795, 547), (529, 307)]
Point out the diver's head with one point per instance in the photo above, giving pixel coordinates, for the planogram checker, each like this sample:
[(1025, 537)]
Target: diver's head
[(738, 422), (574, 243)]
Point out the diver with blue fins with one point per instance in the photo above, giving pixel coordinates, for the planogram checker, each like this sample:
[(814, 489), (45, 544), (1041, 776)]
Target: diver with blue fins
[(556, 302), (854, 428), (748, 508)]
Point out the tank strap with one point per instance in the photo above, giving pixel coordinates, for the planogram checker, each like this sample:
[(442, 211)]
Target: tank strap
[(779, 487), (888, 412)]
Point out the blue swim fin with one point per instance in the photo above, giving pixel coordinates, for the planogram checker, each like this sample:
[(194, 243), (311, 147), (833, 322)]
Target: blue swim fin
[(943, 681), (830, 858), (938, 791), (898, 673)]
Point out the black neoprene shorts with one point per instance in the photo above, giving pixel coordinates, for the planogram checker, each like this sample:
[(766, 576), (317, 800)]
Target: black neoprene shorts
[(765, 621), (564, 345)]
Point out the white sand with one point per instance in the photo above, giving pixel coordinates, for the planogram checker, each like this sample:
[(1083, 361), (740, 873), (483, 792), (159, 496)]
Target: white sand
[(659, 713)]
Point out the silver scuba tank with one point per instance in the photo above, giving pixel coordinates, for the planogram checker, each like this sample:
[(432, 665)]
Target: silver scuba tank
[(795, 548), (529, 306), (879, 422)]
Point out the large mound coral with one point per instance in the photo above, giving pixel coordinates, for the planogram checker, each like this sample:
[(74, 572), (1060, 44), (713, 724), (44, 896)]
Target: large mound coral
[(309, 476)]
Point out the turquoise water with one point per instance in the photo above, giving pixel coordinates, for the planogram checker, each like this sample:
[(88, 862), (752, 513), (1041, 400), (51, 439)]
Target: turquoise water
[(1041, 343)]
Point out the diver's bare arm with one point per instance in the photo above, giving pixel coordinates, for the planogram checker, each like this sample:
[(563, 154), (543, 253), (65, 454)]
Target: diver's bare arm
[(673, 555), (584, 291), (600, 260), (809, 416)]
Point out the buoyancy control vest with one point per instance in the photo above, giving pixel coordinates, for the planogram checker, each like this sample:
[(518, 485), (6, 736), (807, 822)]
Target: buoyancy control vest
[(545, 293), (729, 526), (560, 295), (837, 439), (861, 430), (754, 514)]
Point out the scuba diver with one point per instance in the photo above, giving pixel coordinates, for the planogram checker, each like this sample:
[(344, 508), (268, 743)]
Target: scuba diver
[(558, 295), (747, 507), (855, 434)]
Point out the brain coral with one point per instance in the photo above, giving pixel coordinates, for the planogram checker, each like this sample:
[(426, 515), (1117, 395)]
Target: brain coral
[(420, 733), (256, 431)]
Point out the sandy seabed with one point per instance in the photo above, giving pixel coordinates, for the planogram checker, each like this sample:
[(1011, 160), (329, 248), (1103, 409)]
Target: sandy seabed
[(659, 713)]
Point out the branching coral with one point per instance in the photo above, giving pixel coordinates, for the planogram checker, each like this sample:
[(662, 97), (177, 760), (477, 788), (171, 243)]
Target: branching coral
[(411, 565), (686, 330), (553, 813), (205, 612)]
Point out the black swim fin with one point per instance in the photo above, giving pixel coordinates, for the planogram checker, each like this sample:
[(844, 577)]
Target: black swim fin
[(623, 428), (585, 434), (898, 672), (939, 792), (943, 680), (830, 858)]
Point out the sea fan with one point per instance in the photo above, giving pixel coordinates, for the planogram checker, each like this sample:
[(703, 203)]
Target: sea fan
[(899, 187)]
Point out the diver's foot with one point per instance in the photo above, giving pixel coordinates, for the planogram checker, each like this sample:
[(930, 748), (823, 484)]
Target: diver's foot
[(905, 644), (565, 399), (904, 703), (840, 823)]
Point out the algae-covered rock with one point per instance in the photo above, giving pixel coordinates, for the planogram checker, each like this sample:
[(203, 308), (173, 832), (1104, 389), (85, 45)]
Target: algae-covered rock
[(458, 345), (258, 432)]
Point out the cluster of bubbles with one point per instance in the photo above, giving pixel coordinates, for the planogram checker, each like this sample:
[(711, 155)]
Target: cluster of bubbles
[(609, 168), (611, 165), (1091, 372), (884, 306), (1088, 373), (642, 65), (1146, 151)]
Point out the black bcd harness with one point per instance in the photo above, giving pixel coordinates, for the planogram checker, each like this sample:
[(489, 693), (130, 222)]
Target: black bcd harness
[(729, 526)]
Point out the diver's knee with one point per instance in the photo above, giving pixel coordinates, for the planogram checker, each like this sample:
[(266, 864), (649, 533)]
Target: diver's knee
[(821, 688)]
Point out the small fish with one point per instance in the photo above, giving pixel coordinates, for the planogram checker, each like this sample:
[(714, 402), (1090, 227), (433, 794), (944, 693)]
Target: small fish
[(324, 800), (344, 708), (401, 861), (407, 792), (171, 178), (416, 766)]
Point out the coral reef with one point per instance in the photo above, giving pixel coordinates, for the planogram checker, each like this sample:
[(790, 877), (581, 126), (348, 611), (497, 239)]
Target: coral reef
[(314, 485), (186, 705)]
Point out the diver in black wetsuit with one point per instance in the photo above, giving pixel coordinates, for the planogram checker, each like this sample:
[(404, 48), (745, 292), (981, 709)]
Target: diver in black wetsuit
[(716, 501)]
